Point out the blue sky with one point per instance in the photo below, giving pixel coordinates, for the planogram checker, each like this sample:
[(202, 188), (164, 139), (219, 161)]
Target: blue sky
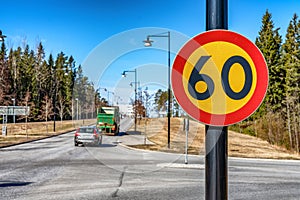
[(102, 28)]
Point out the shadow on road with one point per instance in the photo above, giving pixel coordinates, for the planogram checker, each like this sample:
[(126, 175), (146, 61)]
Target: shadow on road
[(97, 146), (28, 149), (122, 134), (13, 183), (134, 133), (127, 133), (108, 145)]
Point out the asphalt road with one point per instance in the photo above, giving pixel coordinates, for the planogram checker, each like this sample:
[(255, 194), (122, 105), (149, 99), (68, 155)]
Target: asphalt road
[(54, 168)]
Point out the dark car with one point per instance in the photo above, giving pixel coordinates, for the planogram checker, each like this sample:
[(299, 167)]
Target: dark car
[(88, 135)]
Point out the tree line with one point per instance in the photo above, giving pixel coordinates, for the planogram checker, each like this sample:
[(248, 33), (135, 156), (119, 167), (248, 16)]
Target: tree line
[(49, 86), (278, 118)]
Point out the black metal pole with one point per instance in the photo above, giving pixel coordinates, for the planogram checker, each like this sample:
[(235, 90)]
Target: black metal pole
[(169, 91), (216, 179), (216, 14), (54, 101), (148, 43), (216, 168)]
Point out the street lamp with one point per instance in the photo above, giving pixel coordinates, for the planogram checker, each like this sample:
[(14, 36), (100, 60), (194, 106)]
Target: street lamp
[(77, 108), (14, 100), (148, 43), (135, 90), (2, 40)]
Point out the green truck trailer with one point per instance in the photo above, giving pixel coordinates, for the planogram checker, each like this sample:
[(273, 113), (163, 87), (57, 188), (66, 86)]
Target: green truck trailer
[(108, 119)]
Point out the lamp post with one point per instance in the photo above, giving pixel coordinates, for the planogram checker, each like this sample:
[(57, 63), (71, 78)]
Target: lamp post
[(76, 109), (148, 43), (14, 100), (135, 90), (72, 112), (54, 100), (4, 121)]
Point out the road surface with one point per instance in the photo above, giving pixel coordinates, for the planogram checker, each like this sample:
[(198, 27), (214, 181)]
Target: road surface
[(54, 168)]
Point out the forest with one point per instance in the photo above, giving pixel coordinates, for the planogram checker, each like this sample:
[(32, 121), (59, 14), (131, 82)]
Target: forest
[(278, 118), (51, 87), (54, 86)]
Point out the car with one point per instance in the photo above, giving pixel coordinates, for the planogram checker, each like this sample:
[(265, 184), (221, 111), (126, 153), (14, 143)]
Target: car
[(88, 135)]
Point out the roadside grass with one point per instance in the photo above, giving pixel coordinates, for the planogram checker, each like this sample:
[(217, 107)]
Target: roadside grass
[(24, 132), (239, 145)]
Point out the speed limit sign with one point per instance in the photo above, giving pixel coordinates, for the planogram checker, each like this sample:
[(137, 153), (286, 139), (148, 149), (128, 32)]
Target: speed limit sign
[(219, 77)]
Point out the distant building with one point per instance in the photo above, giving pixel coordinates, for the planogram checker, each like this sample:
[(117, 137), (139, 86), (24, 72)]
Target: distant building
[(126, 109)]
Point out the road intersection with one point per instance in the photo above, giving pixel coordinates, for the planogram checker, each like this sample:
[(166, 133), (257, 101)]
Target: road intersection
[(54, 168)]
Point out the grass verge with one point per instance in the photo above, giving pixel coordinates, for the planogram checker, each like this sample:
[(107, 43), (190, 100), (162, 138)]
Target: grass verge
[(239, 145)]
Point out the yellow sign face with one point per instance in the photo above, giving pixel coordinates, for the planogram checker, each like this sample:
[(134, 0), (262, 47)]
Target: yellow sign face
[(219, 52)]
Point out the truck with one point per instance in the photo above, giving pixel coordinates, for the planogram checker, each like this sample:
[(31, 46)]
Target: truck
[(108, 119)]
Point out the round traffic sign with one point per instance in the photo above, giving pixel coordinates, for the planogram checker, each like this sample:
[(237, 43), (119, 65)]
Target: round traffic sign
[(219, 77)]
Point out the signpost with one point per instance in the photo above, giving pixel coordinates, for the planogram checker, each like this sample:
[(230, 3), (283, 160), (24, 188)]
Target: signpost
[(12, 110), (186, 128), (3, 130), (219, 78)]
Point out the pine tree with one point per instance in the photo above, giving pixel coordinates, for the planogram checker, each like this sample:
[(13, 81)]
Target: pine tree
[(69, 84), (12, 72), (85, 93), (291, 63), (26, 71), (59, 82), (52, 92), (38, 77), (269, 42), (79, 90), (5, 81), (16, 71)]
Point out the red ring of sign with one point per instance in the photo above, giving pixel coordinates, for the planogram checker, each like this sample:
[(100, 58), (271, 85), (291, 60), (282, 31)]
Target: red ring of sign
[(220, 119)]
